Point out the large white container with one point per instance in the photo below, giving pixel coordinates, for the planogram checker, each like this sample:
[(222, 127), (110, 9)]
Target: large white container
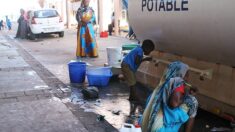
[(203, 30), (114, 55)]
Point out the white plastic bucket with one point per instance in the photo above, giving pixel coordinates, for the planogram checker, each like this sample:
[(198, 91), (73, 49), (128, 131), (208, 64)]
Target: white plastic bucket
[(114, 55)]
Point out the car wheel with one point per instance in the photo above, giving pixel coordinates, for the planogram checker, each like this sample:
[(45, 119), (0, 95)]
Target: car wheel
[(61, 34)]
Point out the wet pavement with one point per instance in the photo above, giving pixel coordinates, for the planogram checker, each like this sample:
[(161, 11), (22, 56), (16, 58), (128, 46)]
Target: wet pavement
[(111, 98), (112, 102)]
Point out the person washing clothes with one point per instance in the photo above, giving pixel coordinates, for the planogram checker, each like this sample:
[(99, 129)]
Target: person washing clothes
[(171, 104), (132, 61)]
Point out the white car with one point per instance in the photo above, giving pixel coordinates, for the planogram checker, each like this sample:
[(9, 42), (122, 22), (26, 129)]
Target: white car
[(46, 21)]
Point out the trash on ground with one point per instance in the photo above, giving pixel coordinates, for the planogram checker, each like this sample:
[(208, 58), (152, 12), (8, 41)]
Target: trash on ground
[(78, 101), (100, 118), (127, 127), (90, 92), (116, 112), (98, 102), (65, 89), (77, 97)]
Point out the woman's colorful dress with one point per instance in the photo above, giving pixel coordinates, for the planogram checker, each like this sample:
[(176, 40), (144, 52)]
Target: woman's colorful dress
[(86, 42)]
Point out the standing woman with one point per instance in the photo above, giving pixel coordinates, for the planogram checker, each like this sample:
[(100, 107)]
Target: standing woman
[(22, 30), (86, 42)]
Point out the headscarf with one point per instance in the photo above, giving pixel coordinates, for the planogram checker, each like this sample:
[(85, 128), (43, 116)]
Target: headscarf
[(171, 79), (176, 69), (23, 14), (82, 9), (83, 3)]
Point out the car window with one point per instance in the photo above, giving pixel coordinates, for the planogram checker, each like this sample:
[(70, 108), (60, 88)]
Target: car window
[(45, 13)]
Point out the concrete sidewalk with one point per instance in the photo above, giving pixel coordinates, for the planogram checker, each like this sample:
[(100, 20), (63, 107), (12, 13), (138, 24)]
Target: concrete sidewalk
[(28, 103)]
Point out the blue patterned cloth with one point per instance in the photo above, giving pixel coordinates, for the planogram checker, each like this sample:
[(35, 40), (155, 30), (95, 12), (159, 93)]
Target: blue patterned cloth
[(171, 119)]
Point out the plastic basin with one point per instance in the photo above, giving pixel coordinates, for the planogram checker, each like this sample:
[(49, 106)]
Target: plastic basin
[(99, 76), (129, 46)]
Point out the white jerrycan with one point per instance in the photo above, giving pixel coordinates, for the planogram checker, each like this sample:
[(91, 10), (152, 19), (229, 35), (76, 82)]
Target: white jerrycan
[(130, 128)]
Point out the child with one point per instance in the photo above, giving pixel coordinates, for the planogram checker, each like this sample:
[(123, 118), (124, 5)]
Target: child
[(8, 22), (1, 25), (132, 61)]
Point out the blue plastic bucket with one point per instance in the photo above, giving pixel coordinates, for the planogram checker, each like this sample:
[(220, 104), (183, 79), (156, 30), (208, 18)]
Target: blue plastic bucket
[(77, 72)]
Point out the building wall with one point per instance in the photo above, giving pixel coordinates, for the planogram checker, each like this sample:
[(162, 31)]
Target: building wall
[(107, 10)]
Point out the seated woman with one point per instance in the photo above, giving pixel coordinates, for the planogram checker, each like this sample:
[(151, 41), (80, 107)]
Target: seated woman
[(170, 105)]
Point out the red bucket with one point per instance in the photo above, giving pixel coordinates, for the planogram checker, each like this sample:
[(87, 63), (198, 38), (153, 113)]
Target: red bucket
[(104, 34)]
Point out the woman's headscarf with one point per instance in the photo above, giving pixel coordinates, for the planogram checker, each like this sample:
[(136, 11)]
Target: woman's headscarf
[(176, 69), (83, 8), (22, 11), (83, 3), (174, 75)]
